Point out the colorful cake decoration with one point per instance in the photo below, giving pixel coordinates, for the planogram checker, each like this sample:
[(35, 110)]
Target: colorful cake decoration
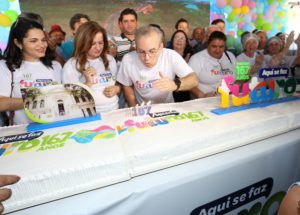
[(58, 104), (254, 93), (242, 71)]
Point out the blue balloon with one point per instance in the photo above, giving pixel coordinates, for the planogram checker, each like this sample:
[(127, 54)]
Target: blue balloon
[(4, 34), (4, 5)]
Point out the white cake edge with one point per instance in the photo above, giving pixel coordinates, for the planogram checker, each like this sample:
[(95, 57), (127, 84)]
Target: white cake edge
[(44, 183)]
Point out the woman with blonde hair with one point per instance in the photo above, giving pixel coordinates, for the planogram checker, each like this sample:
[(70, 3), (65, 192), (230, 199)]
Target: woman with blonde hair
[(92, 66)]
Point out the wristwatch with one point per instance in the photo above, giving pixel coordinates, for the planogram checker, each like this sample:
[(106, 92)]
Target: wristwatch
[(178, 83)]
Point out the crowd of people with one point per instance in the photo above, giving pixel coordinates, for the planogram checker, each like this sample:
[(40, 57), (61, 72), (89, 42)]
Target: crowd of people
[(131, 68), (134, 67)]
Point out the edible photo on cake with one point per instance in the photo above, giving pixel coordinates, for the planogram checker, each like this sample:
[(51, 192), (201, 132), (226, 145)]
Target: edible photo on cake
[(58, 102)]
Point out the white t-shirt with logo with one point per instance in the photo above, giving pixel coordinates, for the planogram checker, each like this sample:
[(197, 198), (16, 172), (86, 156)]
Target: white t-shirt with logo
[(103, 79), (29, 74), (211, 71), (133, 72)]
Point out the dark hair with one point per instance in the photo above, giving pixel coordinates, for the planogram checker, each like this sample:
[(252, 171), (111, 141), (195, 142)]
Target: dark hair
[(188, 49), (278, 34), (18, 31), (216, 35), (32, 17), (179, 21), (1, 56), (76, 18), (216, 21), (127, 11)]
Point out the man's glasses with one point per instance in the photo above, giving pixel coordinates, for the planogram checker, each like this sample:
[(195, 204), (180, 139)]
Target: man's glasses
[(150, 53)]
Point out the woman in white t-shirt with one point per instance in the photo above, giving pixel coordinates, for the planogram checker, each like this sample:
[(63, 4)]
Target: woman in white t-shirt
[(277, 56), (212, 65), (250, 53), (92, 66), (28, 61)]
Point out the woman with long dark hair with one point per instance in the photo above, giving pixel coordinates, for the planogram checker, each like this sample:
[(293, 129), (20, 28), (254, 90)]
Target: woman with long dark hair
[(180, 43), (28, 61)]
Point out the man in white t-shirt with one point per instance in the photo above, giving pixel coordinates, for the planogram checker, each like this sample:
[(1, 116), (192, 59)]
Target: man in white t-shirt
[(148, 74), (212, 65)]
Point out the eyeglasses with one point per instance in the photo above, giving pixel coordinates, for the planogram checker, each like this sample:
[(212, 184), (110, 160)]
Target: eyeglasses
[(179, 38), (150, 53)]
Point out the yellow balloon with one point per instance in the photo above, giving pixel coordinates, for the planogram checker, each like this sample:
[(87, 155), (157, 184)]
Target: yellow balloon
[(5, 21), (280, 14), (236, 11), (245, 9)]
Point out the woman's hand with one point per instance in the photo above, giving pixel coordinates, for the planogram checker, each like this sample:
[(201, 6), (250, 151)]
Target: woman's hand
[(89, 75), (111, 91)]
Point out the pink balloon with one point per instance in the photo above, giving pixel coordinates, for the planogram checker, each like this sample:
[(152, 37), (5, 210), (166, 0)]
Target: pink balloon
[(245, 2), (215, 16), (221, 3), (232, 33), (241, 25), (236, 3), (272, 8), (254, 16), (252, 4)]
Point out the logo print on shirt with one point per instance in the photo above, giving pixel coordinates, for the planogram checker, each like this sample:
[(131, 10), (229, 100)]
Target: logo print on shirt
[(104, 78)]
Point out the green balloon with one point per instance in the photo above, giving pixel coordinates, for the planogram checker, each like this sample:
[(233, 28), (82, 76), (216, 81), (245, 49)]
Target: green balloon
[(267, 27), (231, 17), (13, 15)]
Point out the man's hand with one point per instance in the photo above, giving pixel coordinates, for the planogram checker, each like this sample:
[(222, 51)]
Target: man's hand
[(5, 193), (164, 84)]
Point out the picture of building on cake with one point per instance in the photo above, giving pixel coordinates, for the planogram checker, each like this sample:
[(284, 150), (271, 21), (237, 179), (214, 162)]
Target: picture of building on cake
[(57, 102)]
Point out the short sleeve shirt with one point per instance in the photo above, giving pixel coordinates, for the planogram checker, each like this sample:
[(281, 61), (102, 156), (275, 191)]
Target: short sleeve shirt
[(132, 72), (211, 71), (103, 79), (28, 75)]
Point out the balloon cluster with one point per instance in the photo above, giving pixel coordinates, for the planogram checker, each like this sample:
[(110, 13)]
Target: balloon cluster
[(247, 15), (9, 11)]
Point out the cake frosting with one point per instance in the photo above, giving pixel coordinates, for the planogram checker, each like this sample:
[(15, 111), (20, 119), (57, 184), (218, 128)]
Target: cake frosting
[(63, 161)]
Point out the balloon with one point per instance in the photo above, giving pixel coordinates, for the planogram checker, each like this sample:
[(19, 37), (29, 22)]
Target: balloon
[(4, 5), (231, 33), (252, 4), (280, 14), (247, 18), (241, 25), (236, 3), (253, 17), (13, 15), (236, 11), (5, 21), (245, 2), (221, 3), (227, 9), (231, 17), (266, 27), (239, 33), (245, 9)]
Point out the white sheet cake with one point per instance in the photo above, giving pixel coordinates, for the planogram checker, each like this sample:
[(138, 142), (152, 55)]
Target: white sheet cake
[(77, 158)]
